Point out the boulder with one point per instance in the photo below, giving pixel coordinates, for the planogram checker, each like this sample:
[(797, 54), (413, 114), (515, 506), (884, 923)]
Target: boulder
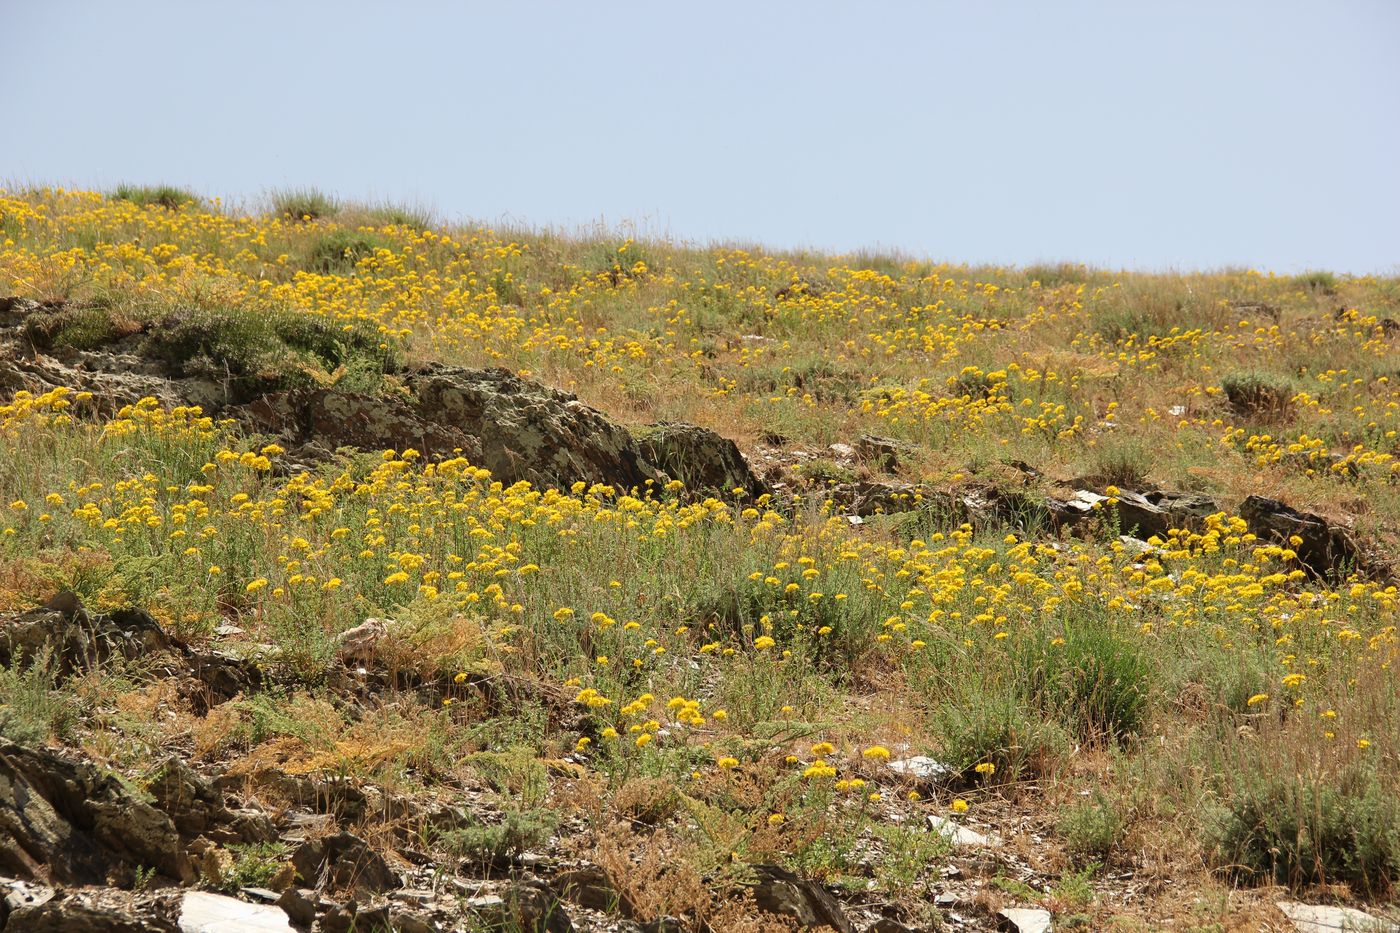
[(99, 910), (1026, 919), (313, 423), (958, 834), (76, 640), (529, 431), (698, 457), (1326, 549), (883, 453), (779, 891), (344, 862), (67, 822), (197, 807)]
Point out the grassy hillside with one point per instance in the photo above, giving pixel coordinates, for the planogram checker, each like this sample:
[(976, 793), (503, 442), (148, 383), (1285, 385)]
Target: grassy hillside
[(675, 687)]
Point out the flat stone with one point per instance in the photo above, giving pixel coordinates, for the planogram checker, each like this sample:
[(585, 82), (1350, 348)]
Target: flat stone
[(205, 912), (957, 834), (1028, 919), (921, 768), (1318, 918)]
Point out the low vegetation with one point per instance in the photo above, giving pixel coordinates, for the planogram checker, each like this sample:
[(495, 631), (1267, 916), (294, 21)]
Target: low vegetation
[(694, 685)]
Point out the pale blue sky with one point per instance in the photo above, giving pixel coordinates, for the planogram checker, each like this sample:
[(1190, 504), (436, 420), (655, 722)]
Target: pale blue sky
[(1119, 133)]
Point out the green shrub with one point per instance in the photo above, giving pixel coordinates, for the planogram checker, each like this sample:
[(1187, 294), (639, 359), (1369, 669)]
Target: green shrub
[(1257, 393), (1092, 830), (988, 721), (1299, 830), (341, 251), (1317, 281), (487, 844), (78, 328), (1097, 683), (255, 865), (1125, 464), (166, 196), (412, 216), (824, 472), (31, 710), (306, 204), (255, 351)]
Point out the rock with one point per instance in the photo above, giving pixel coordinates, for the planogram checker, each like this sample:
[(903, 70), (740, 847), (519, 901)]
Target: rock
[(299, 905), (841, 451), (1327, 549), (588, 887), (401, 921), (205, 912), (887, 925), (64, 821), (956, 833), (197, 807), (698, 457), (15, 894), (99, 910), (1027, 919), (1184, 510), (359, 643), (779, 891), (883, 453), (77, 640), (529, 431), (867, 498), (190, 800), (313, 423), (343, 862), (521, 908), (922, 770), (1316, 918)]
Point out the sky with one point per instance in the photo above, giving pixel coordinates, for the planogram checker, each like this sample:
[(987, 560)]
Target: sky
[(1122, 134)]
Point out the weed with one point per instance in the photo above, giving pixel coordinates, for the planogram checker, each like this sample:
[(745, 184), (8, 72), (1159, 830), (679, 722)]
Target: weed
[(32, 707), (1257, 394), (254, 865), (166, 196), (1300, 829), (1092, 830), (341, 250), (303, 204)]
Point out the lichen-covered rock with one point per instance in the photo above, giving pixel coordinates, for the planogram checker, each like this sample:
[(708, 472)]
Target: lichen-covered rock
[(329, 419), (529, 431), (698, 457), (66, 822), (75, 639), (1325, 548)]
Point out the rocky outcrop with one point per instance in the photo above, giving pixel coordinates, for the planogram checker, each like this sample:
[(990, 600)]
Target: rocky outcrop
[(72, 639), (65, 821), (1325, 548), (76, 640), (698, 457), (515, 427), (529, 431), (314, 423)]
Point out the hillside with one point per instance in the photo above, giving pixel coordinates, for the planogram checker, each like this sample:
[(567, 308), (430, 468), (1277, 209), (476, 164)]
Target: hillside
[(411, 576)]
